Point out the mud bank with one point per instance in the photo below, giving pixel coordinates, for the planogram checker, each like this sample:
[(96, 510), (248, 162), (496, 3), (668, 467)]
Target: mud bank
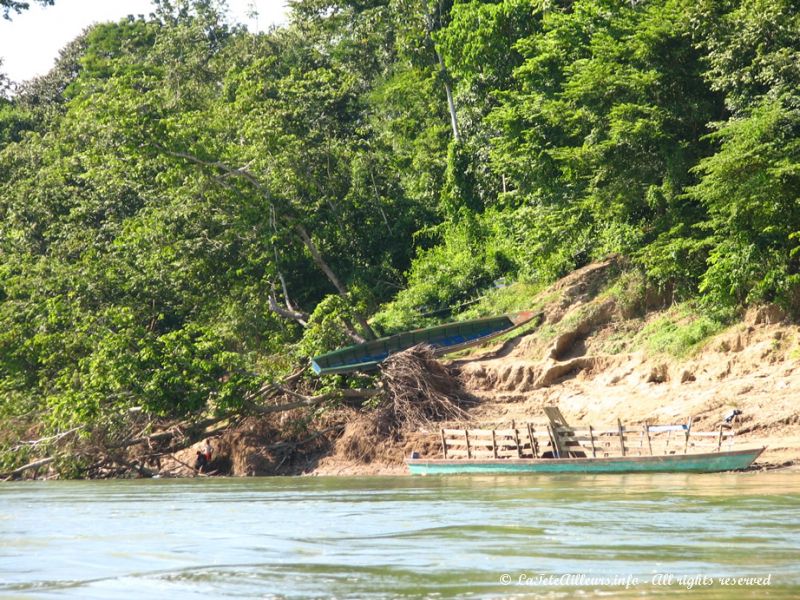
[(590, 358)]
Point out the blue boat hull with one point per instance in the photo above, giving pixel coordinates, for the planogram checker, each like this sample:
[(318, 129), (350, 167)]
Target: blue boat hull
[(672, 463), (445, 339)]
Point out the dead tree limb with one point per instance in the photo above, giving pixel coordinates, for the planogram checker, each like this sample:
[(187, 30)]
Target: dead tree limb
[(312, 248), (271, 388), (314, 400), (351, 331), (52, 438), (175, 431), (316, 255), (190, 430), (286, 312), (286, 299), (34, 465), (134, 466), (187, 465)]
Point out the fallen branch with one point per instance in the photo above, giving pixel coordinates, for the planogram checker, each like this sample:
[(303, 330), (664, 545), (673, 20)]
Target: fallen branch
[(56, 437), (187, 465), (188, 441), (154, 437), (141, 469), (188, 430), (271, 388), (181, 429), (34, 465), (314, 400)]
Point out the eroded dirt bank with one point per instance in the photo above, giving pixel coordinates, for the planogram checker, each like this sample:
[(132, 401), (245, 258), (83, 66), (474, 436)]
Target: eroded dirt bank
[(589, 358)]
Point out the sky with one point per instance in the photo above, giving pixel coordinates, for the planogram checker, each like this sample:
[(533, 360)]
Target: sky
[(30, 42)]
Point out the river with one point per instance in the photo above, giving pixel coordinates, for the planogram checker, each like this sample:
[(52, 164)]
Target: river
[(707, 536)]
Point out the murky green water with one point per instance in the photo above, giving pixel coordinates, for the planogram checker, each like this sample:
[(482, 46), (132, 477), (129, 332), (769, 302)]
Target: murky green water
[(468, 537)]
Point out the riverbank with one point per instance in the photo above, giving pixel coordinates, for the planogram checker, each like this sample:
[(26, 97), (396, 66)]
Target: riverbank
[(595, 359), (607, 348)]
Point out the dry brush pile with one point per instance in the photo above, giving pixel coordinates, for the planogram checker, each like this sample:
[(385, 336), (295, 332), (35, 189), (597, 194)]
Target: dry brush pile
[(417, 391)]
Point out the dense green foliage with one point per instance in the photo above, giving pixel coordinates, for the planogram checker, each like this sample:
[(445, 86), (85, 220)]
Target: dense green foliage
[(188, 208)]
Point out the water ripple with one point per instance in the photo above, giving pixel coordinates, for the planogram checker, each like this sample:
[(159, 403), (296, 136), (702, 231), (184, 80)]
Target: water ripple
[(402, 537)]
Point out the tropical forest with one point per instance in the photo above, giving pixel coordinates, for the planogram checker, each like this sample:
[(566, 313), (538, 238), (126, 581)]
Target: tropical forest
[(190, 211)]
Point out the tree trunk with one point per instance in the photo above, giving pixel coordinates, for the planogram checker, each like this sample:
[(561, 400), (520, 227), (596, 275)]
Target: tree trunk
[(309, 243), (451, 105), (320, 262), (34, 465)]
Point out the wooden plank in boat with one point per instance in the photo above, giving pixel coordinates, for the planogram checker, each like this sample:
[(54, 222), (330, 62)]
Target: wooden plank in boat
[(457, 452)]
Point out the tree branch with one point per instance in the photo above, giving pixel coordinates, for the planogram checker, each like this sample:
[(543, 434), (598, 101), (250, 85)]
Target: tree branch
[(135, 466), (304, 401), (351, 331), (286, 294), (298, 227), (34, 465), (288, 312), (317, 256), (57, 437)]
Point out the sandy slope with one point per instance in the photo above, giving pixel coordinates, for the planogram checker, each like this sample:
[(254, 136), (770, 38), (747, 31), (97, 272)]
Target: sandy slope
[(574, 362), (585, 358), (757, 377)]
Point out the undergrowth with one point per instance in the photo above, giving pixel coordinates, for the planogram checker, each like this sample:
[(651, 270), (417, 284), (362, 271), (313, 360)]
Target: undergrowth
[(507, 299), (682, 330)]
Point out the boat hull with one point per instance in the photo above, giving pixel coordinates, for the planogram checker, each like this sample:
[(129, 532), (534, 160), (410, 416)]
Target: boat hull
[(445, 339), (713, 462)]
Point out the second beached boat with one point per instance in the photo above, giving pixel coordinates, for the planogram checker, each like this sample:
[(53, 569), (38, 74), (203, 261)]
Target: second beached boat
[(708, 462), (451, 337)]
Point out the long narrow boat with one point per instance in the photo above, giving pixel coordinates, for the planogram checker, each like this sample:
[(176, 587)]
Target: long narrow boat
[(556, 447), (710, 462), (451, 337)]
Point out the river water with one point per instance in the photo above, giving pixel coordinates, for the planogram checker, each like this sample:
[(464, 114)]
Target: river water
[(707, 536)]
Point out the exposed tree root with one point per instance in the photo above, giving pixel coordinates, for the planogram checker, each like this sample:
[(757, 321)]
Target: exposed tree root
[(418, 391)]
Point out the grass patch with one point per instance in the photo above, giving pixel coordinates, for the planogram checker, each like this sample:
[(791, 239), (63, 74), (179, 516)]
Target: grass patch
[(628, 290), (794, 353), (681, 331), (620, 340), (512, 298)]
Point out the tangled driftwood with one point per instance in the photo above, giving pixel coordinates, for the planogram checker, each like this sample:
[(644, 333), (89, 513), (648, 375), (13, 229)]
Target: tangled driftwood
[(420, 390), (417, 390)]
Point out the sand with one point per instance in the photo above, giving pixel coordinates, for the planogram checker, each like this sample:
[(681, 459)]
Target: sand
[(753, 366)]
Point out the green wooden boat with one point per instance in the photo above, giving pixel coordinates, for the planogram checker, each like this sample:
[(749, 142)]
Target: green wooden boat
[(711, 462), (451, 337)]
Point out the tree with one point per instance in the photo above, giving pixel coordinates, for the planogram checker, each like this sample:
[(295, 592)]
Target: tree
[(753, 48), (5, 84), (15, 5), (603, 125), (750, 185)]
